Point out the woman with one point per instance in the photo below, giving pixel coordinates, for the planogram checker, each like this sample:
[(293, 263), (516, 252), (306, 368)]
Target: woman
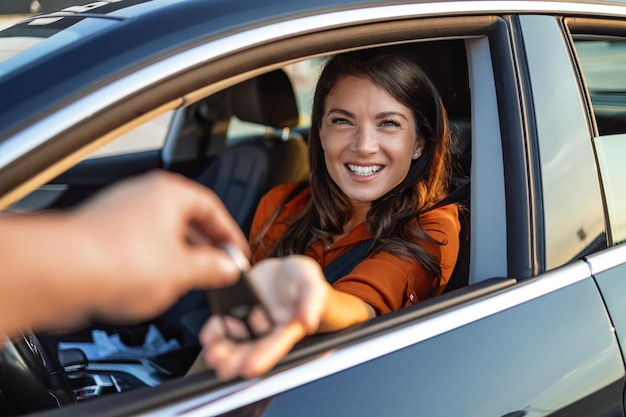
[(378, 151)]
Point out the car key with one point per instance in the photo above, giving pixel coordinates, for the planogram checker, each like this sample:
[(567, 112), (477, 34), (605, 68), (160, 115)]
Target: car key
[(239, 301)]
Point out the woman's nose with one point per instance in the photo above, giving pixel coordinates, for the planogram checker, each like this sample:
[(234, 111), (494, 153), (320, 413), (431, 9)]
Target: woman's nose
[(364, 141)]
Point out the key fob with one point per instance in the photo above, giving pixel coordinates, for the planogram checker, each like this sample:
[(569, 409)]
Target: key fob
[(240, 301)]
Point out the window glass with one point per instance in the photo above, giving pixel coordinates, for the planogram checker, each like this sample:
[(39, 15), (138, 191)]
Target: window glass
[(303, 76), (611, 151), (603, 63), (147, 137), (571, 195)]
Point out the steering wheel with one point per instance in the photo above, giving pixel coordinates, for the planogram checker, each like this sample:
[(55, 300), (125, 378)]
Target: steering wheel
[(31, 377)]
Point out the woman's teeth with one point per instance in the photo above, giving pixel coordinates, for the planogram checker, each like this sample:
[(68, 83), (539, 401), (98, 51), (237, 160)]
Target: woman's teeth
[(364, 171)]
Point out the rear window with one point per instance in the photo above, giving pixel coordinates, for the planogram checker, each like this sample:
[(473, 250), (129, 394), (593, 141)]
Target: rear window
[(303, 76)]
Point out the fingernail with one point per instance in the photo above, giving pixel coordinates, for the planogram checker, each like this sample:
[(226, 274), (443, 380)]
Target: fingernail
[(237, 255)]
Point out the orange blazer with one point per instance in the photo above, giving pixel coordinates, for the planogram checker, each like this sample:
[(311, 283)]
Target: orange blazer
[(383, 280)]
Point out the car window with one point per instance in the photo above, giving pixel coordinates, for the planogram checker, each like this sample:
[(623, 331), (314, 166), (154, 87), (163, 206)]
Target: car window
[(611, 150), (146, 137), (569, 182), (303, 76), (187, 150), (603, 64)]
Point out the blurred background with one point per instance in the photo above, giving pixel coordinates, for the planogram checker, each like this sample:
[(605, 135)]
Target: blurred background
[(12, 11)]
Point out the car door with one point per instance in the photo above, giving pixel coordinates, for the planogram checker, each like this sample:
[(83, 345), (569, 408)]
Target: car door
[(600, 49), (531, 335)]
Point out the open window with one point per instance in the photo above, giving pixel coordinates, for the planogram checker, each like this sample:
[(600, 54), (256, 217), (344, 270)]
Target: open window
[(208, 134)]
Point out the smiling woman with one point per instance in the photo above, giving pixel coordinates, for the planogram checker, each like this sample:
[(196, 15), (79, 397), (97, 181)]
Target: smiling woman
[(379, 157), (366, 134), (373, 108)]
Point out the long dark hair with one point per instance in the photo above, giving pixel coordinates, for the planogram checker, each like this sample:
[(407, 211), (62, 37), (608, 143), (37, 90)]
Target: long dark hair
[(393, 219)]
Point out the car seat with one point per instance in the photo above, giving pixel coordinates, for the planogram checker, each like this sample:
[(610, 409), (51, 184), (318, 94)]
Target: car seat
[(460, 194), (247, 169)]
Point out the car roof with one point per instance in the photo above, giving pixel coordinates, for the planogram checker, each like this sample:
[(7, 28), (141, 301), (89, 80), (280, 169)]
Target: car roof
[(112, 38), (115, 37)]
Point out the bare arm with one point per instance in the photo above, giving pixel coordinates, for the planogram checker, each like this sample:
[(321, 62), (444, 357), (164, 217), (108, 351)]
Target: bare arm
[(300, 301)]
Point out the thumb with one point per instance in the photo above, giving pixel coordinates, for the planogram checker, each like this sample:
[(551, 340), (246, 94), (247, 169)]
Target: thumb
[(211, 267)]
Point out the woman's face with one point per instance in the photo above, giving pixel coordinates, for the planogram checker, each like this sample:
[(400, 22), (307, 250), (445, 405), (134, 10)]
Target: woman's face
[(369, 139)]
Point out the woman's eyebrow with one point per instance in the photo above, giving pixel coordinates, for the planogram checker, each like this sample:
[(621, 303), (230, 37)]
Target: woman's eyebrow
[(391, 113), (381, 115), (340, 111)]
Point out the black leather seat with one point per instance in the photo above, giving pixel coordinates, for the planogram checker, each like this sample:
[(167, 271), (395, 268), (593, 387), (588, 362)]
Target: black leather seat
[(460, 194), (460, 274), (246, 170), (240, 175), (461, 150)]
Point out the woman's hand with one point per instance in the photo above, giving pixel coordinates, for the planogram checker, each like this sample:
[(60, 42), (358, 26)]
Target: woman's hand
[(296, 294)]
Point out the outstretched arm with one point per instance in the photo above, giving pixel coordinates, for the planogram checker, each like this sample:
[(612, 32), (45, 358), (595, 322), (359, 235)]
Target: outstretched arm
[(300, 301), (126, 254)]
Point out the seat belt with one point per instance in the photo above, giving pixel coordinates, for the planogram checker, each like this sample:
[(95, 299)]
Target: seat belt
[(461, 193), (343, 265)]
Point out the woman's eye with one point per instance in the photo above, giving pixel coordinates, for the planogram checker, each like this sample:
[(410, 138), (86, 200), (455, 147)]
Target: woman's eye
[(339, 121), (391, 123)]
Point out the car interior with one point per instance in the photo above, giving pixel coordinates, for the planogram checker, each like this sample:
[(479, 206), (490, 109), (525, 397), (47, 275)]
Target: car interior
[(199, 143)]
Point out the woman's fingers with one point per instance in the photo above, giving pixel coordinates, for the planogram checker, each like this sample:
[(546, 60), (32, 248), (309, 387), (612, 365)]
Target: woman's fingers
[(295, 293), (249, 359)]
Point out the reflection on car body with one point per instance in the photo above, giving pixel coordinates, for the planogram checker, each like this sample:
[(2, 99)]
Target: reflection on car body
[(535, 94)]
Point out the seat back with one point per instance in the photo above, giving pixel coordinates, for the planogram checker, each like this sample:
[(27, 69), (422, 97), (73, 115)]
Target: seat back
[(461, 150), (460, 193), (460, 274), (246, 170)]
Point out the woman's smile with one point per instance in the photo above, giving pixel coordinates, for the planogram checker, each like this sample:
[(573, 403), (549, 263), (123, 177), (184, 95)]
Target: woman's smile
[(364, 171), (369, 139)]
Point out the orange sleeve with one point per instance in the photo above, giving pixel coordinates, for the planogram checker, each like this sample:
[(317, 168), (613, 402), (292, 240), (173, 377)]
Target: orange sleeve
[(267, 205), (388, 283)]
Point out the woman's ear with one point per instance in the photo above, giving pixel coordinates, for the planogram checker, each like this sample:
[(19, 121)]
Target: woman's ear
[(419, 147)]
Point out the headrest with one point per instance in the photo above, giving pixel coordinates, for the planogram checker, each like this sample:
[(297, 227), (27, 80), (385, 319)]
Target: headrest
[(267, 100)]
